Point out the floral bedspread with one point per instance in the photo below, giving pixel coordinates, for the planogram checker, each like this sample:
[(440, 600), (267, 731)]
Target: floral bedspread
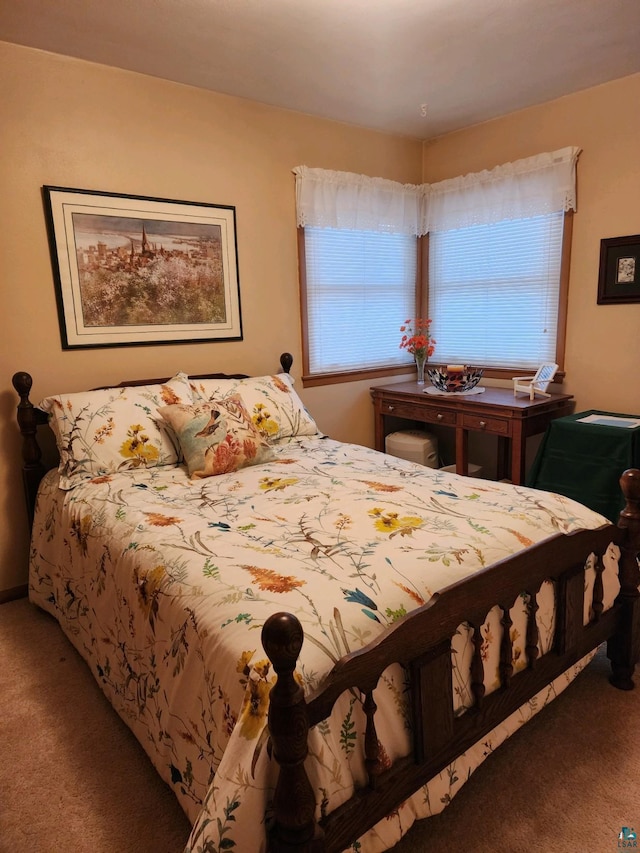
[(163, 584)]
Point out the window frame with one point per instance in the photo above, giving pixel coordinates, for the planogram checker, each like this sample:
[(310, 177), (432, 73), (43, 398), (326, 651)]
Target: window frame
[(309, 379), (422, 310), (509, 371)]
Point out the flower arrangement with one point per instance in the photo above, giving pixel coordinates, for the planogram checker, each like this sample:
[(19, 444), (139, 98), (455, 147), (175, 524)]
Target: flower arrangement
[(417, 338)]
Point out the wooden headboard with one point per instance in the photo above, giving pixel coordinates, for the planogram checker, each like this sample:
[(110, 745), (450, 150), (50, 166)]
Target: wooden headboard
[(30, 418)]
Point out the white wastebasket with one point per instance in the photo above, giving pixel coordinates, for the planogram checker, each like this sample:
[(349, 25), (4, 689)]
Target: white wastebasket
[(414, 445)]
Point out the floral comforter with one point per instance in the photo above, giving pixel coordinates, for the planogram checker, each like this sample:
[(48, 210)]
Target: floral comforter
[(163, 584)]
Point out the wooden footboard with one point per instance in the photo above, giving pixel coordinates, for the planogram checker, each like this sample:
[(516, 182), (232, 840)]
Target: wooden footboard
[(422, 642)]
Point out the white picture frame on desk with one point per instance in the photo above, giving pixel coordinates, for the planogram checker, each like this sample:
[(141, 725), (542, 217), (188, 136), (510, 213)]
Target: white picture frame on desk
[(536, 384)]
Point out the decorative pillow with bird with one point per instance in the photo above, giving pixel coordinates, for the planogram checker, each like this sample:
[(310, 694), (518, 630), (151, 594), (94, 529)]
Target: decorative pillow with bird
[(217, 437)]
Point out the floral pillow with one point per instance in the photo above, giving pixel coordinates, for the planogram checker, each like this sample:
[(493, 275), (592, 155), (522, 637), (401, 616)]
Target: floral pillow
[(217, 437), (275, 408), (116, 429)]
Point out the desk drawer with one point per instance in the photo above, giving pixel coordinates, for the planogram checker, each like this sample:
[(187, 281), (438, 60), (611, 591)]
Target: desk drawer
[(482, 424), (418, 412)]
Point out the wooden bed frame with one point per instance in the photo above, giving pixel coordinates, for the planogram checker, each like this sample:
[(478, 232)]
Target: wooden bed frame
[(421, 641)]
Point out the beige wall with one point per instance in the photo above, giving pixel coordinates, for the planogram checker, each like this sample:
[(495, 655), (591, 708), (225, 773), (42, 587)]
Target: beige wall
[(603, 341), (74, 124)]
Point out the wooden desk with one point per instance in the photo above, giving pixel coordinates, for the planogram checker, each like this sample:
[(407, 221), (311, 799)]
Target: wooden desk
[(496, 412)]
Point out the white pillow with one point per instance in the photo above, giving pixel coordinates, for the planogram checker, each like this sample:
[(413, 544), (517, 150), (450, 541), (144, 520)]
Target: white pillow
[(273, 404), (116, 429)]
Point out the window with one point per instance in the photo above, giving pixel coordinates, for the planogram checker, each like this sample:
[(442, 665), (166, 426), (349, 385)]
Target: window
[(494, 292), (498, 266), (359, 271), (360, 287)]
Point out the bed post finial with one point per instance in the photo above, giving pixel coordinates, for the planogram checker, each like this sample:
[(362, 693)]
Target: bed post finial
[(294, 803), (286, 360), (32, 468), (623, 648)]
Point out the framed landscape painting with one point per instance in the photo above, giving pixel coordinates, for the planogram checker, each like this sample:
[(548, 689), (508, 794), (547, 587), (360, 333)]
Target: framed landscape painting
[(134, 270)]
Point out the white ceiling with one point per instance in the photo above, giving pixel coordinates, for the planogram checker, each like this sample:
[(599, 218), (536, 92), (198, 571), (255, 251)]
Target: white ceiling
[(364, 62)]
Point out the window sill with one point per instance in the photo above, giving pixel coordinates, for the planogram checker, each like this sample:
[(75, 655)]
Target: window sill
[(309, 381), (504, 373)]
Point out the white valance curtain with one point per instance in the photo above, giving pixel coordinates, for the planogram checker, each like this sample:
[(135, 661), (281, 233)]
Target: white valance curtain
[(327, 199), (525, 188)]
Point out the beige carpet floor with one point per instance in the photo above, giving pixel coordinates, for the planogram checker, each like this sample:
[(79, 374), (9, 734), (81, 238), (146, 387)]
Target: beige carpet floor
[(73, 778)]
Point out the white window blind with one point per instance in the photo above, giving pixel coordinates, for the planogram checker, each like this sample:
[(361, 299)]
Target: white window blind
[(494, 291), (360, 288)]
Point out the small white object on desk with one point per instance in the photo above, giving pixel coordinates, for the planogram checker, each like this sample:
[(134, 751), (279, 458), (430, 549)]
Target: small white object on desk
[(610, 420), (537, 384)]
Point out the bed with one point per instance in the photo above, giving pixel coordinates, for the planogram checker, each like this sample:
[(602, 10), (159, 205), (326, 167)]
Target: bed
[(315, 643)]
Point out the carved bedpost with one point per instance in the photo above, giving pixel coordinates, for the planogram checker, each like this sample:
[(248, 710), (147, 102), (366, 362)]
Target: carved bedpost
[(32, 469), (294, 827), (286, 360), (623, 648)]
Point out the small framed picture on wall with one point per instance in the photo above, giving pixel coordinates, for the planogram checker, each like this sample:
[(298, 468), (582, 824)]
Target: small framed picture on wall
[(619, 278)]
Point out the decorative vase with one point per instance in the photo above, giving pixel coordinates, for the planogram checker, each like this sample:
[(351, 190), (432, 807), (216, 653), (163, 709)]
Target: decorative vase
[(421, 360)]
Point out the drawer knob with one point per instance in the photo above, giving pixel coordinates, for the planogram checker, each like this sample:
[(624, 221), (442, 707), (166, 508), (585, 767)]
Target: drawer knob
[(439, 416), (482, 424), (390, 408)]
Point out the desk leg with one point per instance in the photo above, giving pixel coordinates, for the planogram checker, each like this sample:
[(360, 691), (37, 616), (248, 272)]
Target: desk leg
[(378, 435), (518, 448), (504, 458), (462, 451)]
